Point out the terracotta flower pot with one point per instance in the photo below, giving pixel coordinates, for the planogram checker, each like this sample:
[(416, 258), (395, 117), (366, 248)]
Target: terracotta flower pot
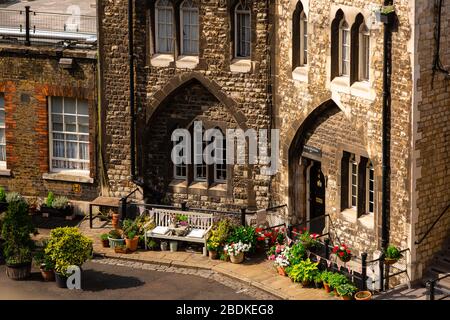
[(132, 244), (237, 259), (336, 293), (48, 276), (281, 271), (327, 287), (115, 220), (346, 297), (213, 254), (363, 295)]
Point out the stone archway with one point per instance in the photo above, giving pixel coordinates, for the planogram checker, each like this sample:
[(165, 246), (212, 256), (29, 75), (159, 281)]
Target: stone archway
[(317, 147)]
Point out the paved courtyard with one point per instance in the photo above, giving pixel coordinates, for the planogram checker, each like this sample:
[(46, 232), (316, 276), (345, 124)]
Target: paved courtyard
[(87, 7)]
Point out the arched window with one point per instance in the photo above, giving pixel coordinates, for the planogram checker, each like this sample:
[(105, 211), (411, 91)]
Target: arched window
[(364, 52), (242, 18), (220, 168), (164, 26), (200, 167), (344, 49), (189, 28), (304, 40), (370, 188)]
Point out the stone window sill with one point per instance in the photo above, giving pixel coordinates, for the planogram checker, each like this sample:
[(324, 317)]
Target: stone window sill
[(341, 84), (161, 60), (187, 62), (240, 65), (300, 74), (5, 173), (200, 185), (363, 90), (67, 177), (351, 215)]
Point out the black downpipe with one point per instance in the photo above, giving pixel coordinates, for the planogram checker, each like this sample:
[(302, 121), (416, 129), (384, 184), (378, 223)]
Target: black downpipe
[(387, 71), (134, 178)]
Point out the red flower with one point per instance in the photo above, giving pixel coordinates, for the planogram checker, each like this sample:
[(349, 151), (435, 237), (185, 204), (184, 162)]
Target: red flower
[(348, 251), (335, 250), (261, 238), (341, 254), (258, 230)]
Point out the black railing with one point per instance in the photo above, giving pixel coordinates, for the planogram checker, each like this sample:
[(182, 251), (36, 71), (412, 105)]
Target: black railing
[(46, 27), (434, 223), (431, 288)]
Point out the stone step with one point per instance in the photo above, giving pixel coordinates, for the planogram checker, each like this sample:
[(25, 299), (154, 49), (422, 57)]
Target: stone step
[(440, 267)]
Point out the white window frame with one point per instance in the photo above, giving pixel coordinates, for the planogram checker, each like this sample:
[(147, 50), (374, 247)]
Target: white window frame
[(242, 9), (344, 28), (353, 164), (224, 164), (179, 166), (364, 53), (163, 7), (50, 125), (188, 5), (3, 127), (369, 170), (203, 164), (303, 39)]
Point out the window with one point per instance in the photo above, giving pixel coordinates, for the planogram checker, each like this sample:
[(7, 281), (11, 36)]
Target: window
[(364, 52), (304, 40), (189, 28), (370, 188), (220, 168), (200, 170), (164, 26), (69, 134), (344, 34), (2, 133), (353, 187), (242, 30), (180, 170)]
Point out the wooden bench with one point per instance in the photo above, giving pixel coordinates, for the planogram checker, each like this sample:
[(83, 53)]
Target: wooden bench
[(200, 224)]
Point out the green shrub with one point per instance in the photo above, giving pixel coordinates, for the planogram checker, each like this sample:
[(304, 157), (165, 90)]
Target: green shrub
[(49, 199), (346, 289), (392, 252), (43, 260), (2, 194), (68, 247), (131, 235), (318, 277), (336, 280), (304, 271), (325, 276), (16, 229), (15, 197), (60, 203), (297, 253)]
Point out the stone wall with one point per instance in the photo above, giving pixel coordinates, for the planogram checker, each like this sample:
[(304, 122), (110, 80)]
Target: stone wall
[(245, 94), (431, 133), (28, 76), (296, 100)]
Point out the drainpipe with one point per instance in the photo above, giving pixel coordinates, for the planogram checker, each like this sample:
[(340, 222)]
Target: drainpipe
[(387, 70), (134, 178)]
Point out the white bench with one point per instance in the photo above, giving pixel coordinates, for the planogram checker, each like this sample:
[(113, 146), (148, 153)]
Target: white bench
[(200, 224)]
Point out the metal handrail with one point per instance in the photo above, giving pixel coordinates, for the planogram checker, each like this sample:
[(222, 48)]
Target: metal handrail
[(432, 226), (431, 287)]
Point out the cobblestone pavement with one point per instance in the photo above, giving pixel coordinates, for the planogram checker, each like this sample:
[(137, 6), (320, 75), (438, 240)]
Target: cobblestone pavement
[(237, 286)]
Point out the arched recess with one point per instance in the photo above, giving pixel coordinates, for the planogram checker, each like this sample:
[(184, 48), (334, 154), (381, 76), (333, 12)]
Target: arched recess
[(213, 87), (327, 118)]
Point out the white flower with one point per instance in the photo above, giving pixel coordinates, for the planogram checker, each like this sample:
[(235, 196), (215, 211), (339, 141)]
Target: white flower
[(236, 248)]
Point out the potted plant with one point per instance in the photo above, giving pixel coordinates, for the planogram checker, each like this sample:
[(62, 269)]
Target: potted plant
[(151, 244), (346, 291), (336, 280), (304, 272), (392, 255), (309, 240), (16, 229), (115, 238), (115, 219), (213, 247), (56, 206), (236, 251), (131, 241), (121, 248), (46, 265), (325, 276), (104, 239), (297, 253), (245, 235), (387, 14), (363, 295), (67, 247), (318, 282), (282, 261), (342, 252)]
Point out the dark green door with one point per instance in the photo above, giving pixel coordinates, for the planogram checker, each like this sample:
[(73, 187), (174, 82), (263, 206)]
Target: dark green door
[(317, 198)]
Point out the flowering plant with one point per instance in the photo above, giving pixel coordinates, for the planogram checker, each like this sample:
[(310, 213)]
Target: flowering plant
[(236, 248), (282, 259), (275, 236), (305, 237), (275, 251), (343, 252)]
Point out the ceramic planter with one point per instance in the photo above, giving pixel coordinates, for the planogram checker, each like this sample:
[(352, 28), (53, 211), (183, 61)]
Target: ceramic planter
[(237, 259), (48, 275), (213, 254), (61, 280), (173, 246), (363, 295), (18, 271), (116, 242), (132, 243)]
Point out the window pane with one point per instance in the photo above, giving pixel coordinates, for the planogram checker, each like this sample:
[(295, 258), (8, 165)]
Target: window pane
[(58, 149), (2, 117), (2, 136), (83, 108), (57, 105), (70, 106), (84, 151), (2, 153)]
